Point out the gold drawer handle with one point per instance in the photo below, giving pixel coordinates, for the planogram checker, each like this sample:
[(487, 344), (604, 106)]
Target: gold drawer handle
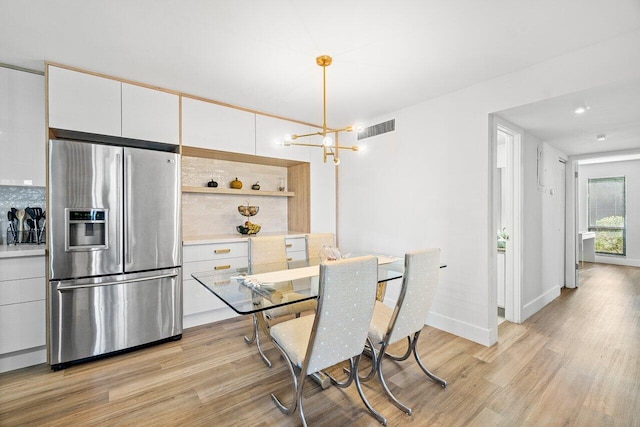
[(221, 251), (289, 245), (289, 259), (222, 267)]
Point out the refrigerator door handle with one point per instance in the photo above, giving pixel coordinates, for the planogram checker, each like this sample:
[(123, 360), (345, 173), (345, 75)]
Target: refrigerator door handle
[(128, 207), (119, 222), (115, 282)]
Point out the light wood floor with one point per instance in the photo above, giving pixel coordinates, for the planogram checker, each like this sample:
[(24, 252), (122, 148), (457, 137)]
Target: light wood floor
[(576, 362)]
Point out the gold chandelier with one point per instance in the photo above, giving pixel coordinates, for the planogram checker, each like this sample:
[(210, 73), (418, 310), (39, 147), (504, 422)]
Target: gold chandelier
[(329, 146)]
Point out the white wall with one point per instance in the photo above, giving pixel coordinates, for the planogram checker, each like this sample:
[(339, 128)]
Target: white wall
[(630, 170), (543, 219), (428, 184)]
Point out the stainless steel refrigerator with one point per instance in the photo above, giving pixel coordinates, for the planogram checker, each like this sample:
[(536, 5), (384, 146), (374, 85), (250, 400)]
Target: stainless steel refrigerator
[(115, 280)]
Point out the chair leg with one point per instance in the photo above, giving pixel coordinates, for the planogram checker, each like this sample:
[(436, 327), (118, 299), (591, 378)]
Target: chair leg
[(287, 410), (355, 376), (404, 356), (348, 381), (395, 401), (371, 352), (374, 362), (434, 377)]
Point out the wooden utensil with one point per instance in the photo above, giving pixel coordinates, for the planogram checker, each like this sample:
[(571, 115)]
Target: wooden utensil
[(20, 214)]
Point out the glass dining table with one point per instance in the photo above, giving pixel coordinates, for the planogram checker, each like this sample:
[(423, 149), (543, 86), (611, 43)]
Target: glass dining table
[(273, 287)]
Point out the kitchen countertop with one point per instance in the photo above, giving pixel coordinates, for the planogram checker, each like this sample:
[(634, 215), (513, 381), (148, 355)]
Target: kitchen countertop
[(16, 251), (230, 238)]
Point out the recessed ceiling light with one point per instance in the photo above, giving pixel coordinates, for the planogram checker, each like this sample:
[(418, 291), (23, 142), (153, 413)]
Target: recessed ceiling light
[(601, 137), (581, 109)]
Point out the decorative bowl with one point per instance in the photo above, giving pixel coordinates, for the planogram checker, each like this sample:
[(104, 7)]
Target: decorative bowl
[(248, 210), (245, 230)]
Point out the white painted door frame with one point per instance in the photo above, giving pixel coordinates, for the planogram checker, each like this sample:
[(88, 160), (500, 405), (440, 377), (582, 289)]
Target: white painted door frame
[(514, 198), (571, 219)]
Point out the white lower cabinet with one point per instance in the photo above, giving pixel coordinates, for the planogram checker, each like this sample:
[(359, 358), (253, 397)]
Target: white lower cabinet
[(296, 250), (199, 305), (22, 312)]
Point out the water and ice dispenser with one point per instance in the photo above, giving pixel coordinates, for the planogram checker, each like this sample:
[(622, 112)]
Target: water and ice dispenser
[(86, 229)]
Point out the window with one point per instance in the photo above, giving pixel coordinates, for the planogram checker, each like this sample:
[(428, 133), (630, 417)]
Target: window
[(607, 214)]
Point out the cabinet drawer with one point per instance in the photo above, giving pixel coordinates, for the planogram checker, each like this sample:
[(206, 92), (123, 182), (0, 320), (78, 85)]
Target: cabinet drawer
[(21, 268), (22, 290), (214, 251), (23, 326), (220, 264), (197, 299), (296, 255), (295, 244)]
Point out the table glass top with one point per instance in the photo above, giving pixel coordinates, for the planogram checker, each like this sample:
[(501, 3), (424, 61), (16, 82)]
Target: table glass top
[(246, 294)]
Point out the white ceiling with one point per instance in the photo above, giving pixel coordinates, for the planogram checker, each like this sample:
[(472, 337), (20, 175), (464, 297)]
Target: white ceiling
[(261, 54), (614, 110)]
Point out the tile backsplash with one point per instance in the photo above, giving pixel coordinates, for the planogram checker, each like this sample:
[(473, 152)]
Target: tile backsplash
[(18, 197), (217, 214)]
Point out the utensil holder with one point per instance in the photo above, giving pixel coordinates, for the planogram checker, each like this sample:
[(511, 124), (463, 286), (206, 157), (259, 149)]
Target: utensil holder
[(26, 237)]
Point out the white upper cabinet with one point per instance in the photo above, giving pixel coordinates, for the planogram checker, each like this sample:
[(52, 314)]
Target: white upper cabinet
[(87, 103), (269, 130), (84, 102), (212, 126), (22, 123), (150, 115)]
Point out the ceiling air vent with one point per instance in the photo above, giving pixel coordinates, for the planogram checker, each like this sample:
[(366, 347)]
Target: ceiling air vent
[(379, 129)]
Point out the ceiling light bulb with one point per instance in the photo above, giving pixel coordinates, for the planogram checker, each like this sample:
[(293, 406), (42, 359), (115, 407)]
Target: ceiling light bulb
[(336, 162), (278, 142), (581, 110), (358, 127), (361, 148), (288, 138), (327, 141), (601, 137)]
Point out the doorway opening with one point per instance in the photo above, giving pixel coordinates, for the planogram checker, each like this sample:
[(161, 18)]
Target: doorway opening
[(507, 191)]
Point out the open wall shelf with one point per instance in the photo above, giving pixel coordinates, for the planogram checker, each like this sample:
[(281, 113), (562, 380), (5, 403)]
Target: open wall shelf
[(232, 191)]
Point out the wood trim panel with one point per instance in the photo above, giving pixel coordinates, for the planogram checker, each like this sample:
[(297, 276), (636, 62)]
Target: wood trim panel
[(299, 207)]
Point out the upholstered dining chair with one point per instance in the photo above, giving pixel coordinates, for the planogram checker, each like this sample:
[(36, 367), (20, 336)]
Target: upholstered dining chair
[(407, 318), (314, 242), (337, 332), (268, 254)]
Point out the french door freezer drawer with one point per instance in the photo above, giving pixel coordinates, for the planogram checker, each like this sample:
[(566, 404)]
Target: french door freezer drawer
[(92, 317)]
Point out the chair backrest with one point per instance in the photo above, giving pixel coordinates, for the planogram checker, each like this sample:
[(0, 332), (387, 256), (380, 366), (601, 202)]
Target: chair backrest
[(346, 297), (315, 242), (421, 273), (267, 254)]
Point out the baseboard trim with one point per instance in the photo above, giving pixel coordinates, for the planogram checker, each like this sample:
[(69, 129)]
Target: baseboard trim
[(197, 319), (462, 329), (534, 306), (629, 262), (23, 358)]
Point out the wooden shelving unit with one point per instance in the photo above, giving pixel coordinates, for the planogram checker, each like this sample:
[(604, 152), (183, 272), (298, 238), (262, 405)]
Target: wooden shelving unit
[(231, 191)]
